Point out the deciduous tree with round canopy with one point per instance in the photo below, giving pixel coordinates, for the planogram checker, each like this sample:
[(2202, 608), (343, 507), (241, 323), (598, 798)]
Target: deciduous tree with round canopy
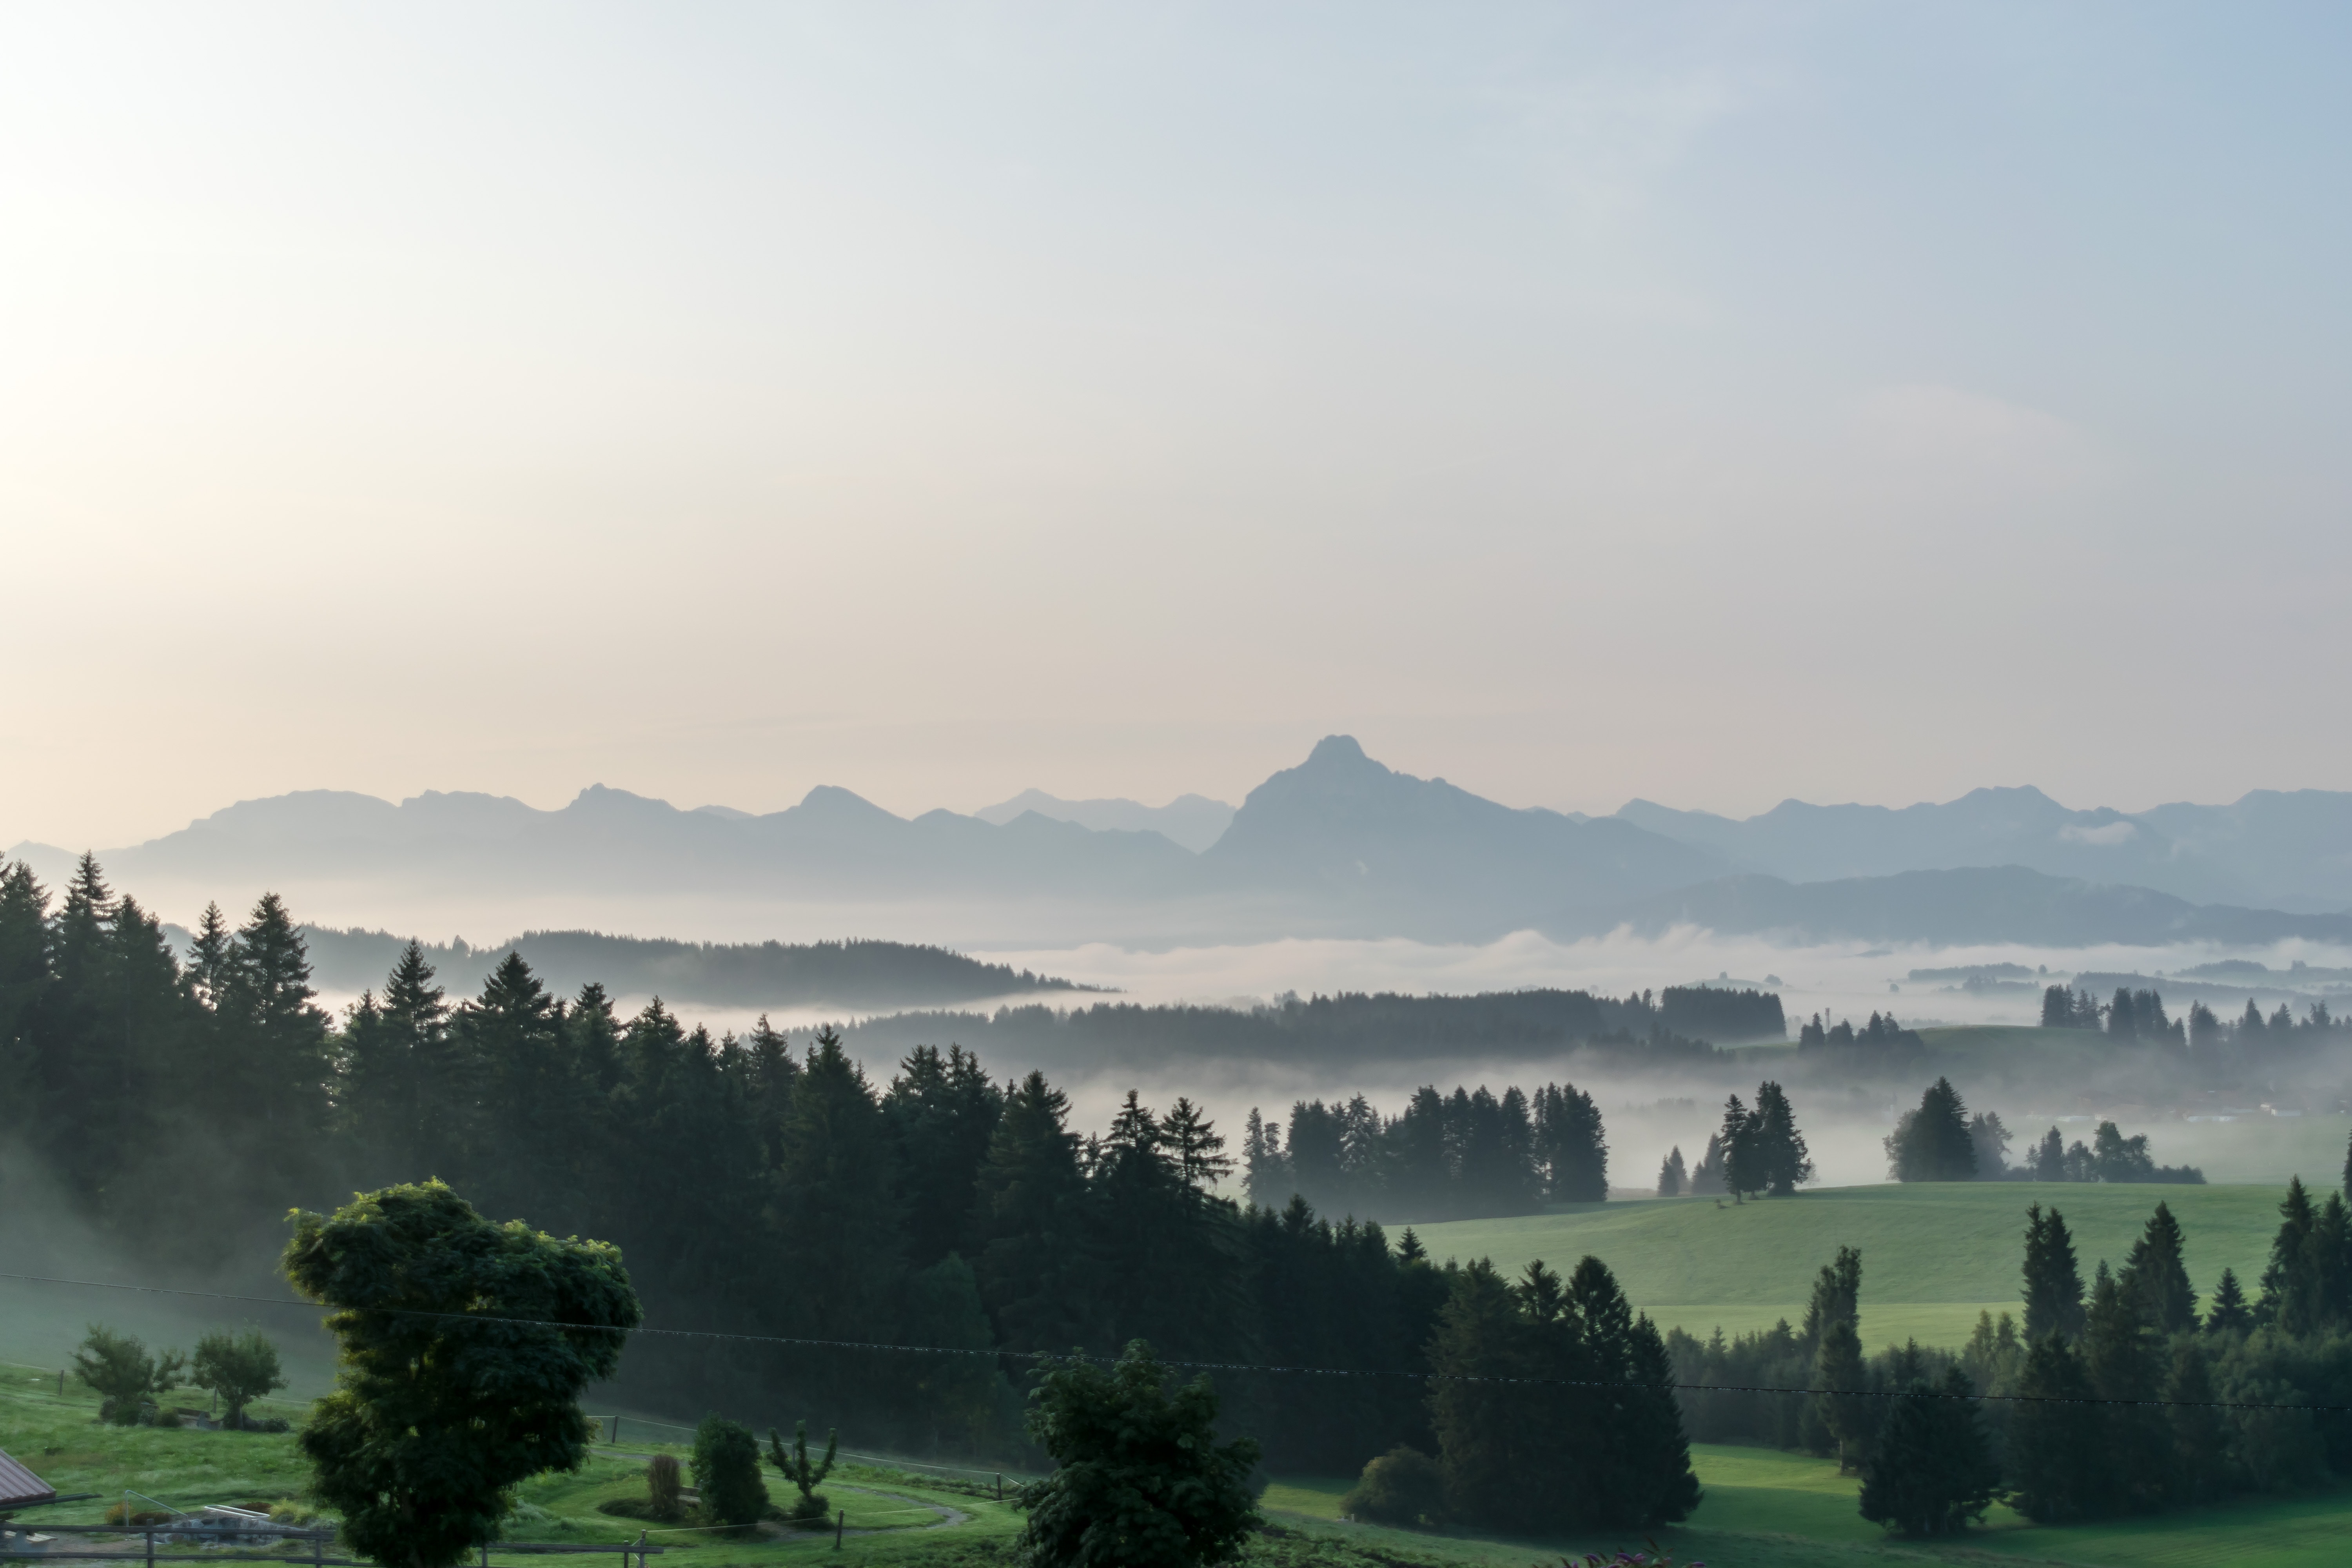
[(465, 1346)]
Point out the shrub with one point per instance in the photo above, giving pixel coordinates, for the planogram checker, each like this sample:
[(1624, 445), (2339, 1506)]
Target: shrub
[(727, 1471), (662, 1486), (118, 1367), (1402, 1486)]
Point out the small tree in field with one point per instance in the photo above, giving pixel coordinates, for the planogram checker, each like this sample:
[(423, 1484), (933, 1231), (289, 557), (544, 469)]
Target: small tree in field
[(1140, 1479), (1403, 1486), (727, 1471), (795, 1463), (456, 1382), (118, 1367), (1931, 1471), (241, 1368), (665, 1498)]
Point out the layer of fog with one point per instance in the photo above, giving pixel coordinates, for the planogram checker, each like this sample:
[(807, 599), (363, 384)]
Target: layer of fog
[(1647, 1115), (79, 1277)]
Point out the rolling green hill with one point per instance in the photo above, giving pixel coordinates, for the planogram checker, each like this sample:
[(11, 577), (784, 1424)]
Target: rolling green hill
[(1932, 1256)]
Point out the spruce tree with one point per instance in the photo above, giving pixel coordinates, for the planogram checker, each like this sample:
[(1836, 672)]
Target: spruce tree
[(1783, 1161), (2201, 1458), (2049, 1160), (2056, 1458), (2229, 1314), (1840, 1382), (1671, 1174), (1931, 1470), (2120, 1360), (1029, 1223), (2156, 1281), (1932, 1142), (1837, 1299), (2287, 1295), (942, 1111), (2053, 1281), (1743, 1167)]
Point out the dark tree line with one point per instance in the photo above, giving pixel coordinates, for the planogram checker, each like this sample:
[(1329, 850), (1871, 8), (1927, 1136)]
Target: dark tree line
[(1881, 1037), (2132, 1398), (758, 1186), (2249, 1039), (1346, 1029), (1939, 1141), (1460, 1156)]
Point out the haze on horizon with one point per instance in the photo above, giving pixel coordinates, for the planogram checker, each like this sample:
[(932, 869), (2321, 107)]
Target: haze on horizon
[(1711, 404)]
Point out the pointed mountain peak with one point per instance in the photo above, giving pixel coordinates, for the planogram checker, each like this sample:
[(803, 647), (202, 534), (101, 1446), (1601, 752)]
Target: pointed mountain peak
[(1337, 752)]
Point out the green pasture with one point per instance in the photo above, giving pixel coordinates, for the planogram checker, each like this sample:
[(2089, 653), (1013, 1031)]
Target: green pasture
[(1765, 1508), (1932, 1255)]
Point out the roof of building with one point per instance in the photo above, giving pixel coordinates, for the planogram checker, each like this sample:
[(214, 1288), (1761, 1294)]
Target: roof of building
[(20, 1487)]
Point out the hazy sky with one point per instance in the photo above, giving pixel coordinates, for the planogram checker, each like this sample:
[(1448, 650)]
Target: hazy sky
[(1708, 403)]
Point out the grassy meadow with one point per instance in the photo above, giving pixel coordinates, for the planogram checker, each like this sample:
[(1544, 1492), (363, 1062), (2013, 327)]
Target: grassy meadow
[(1763, 1508), (1932, 1256)]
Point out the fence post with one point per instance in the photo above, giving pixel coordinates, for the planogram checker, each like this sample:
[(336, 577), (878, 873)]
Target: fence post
[(151, 1544), (641, 1549), (1000, 1486), (318, 1548), (840, 1519)]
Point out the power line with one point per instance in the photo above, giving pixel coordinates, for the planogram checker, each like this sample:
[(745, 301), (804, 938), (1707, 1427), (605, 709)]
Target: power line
[(1049, 1356)]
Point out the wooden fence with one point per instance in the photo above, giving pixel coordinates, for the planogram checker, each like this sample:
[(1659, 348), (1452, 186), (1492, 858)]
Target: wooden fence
[(138, 1543)]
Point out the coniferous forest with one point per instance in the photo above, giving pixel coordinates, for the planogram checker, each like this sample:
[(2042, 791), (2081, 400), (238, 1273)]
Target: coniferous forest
[(760, 1189)]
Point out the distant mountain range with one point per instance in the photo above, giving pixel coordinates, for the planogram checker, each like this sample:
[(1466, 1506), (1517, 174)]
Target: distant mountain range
[(1193, 821), (1339, 845), (2289, 850)]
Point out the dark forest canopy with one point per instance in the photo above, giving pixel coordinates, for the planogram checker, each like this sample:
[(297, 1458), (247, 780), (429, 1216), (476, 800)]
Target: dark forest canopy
[(1348, 1028), (853, 974), (758, 1189)]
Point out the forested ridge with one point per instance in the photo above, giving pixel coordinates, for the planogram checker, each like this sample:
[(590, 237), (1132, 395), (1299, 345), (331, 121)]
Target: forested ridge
[(1667, 1028), (761, 1190), (853, 973)]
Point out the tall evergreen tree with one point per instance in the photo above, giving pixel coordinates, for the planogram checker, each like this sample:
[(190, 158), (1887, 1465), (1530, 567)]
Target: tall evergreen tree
[(1931, 1143), (2055, 1454), (2229, 1312), (1029, 1223), (1837, 1299), (1931, 1471), (2120, 1359), (1783, 1161), (1743, 1162), (1841, 1387), (2200, 1458), (943, 1113), (1572, 1145), (2054, 1280), (2287, 1298), (2156, 1281), (1671, 1174)]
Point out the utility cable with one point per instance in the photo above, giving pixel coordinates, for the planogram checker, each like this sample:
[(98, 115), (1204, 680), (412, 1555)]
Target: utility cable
[(489, 1317)]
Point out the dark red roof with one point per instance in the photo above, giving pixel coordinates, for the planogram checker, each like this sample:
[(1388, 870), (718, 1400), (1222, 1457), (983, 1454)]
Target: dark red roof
[(20, 1487)]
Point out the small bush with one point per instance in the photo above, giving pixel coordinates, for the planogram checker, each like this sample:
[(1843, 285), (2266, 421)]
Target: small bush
[(662, 1488), (1400, 1487)]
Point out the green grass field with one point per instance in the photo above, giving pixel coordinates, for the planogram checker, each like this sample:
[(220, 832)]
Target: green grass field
[(1763, 1508), (1932, 1256)]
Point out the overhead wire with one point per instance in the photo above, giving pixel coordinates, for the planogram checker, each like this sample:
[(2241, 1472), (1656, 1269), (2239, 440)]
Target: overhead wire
[(1261, 1368)]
